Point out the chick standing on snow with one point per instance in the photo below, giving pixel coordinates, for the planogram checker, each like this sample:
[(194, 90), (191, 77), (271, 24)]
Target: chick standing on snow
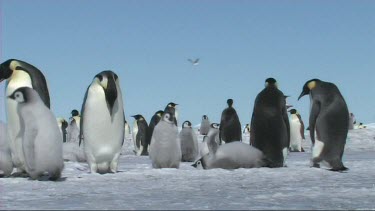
[(165, 148), (205, 125), (41, 137), (189, 143)]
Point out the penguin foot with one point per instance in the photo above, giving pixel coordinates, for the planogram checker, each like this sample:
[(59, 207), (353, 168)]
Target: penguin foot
[(340, 169), (315, 165), (20, 174)]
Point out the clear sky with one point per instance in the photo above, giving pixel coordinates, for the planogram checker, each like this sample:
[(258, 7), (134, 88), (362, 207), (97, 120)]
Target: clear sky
[(239, 43)]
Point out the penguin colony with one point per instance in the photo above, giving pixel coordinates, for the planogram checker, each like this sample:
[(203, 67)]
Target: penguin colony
[(32, 141)]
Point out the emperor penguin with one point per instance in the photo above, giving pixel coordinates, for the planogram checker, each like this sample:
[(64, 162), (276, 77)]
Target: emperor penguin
[(127, 134), (297, 130), (20, 74), (153, 122), (270, 131), (328, 122), (74, 127), (229, 156), (63, 125), (165, 148), (206, 146), (230, 126), (140, 135), (102, 123), (72, 150), (6, 164), (189, 143), (171, 108), (41, 137), (205, 125)]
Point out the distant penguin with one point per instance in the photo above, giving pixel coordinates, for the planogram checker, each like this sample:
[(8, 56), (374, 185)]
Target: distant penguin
[(6, 164), (127, 134), (153, 122), (205, 125), (20, 74), (63, 125), (171, 108), (230, 126), (297, 130), (270, 125), (329, 118), (189, 143), (42, 140), (246, 130), (165, 148), (74, 129), (351, 121), (287, 104), (140, 135), (230, 156), (102, 123)]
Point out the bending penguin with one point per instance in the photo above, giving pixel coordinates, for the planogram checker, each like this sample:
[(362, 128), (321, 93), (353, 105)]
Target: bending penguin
[(20, 74), (140, 136), (189, 143), (171, 108), (297, 129), (229, 156), (6, 164), (102, 123), (42, 140), (270, 125), (165, 148), (153, 122), (205, 125), (328, 122), (230, 126)]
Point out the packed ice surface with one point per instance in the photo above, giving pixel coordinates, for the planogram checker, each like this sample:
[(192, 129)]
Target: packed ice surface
[(138, 186)]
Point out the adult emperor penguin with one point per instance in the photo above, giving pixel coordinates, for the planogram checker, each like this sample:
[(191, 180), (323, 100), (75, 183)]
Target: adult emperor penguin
[(328, 123), (171, 108), (6, 165), (42, 140), (189, 143), (20, 74), (153, 122), (230, 126), (102, 123), (127, 131), (270, 124), (229, 156), (297, 130), (140, 135), (205, 125), (63, 125), (165, 148), (74, 127)]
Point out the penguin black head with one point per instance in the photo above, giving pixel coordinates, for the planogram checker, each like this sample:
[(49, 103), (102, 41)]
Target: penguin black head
[(271, 82), (64, 124), (5, 70), (204, 117), (168, 117), (138, 117), (215, 125), (22, 95), (186, 124), (159, 113), (107, 79), (230, 102), (309, 85), (293, 111), (199, 163), (74, 112), (171, 104)]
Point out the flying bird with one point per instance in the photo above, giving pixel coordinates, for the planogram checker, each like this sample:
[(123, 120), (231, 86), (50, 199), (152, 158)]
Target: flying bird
[(194, 62)]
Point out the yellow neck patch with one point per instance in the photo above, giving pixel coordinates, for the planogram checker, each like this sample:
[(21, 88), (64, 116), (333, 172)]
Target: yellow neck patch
[(311, 85)]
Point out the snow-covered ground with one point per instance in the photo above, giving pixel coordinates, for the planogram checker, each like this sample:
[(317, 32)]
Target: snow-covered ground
[(138, 186)]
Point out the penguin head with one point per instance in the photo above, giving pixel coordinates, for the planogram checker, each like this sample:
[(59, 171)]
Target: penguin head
[(6, 69), (159, 113), (271, 82), (199, 164), (204, 117), (168, 117), (107, 80), (230, 102), (171, 104), (293, 111), (138, 117), (74, 112), (22, 94), (215, 125), (309, 85), (186, 124)]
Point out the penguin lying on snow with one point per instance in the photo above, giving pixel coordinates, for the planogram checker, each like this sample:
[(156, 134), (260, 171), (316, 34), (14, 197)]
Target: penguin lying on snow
[(229, 156)]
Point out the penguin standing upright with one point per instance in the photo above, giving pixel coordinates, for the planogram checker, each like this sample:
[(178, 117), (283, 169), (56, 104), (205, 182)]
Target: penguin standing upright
[(127, 130), (297, 129), (270, 125), (41, 137), (74, 127), (230, 126), (205, 125), (63, 125), (140, 135), (189, 143), (165, 148), (328, 122), (6, 164), (102, 123), (20, 74), (171, 108), (153, 122)]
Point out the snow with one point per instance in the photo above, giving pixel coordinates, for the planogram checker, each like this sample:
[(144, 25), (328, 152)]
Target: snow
[(138, 186)]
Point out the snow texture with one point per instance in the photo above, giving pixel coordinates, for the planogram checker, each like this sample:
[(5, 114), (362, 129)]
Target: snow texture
[(138, 186)]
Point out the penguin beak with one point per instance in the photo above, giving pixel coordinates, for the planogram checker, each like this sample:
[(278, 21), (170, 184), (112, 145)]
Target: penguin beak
[(11, 97), (195, 165), (303, 93)]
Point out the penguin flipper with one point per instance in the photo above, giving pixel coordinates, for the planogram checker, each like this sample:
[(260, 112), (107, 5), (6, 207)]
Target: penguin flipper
[(28, 147), (315, 109)]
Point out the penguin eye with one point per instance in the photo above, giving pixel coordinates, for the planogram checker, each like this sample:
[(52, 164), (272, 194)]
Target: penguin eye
[(167, 116), (199, 162)]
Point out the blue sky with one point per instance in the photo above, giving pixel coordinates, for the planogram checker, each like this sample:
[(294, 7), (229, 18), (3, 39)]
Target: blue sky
[(240, 44)]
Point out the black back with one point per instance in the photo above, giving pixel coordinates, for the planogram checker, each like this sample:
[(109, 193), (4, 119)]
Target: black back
[(155, 119), (142, 136), (230, 126)]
